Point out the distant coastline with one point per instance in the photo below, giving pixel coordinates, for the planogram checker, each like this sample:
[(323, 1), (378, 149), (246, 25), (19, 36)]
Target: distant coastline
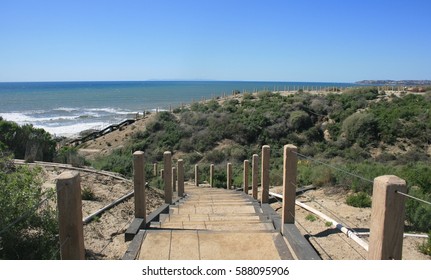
[(395, 83)]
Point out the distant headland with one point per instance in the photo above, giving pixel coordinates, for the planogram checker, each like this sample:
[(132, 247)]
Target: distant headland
[(395, 83)]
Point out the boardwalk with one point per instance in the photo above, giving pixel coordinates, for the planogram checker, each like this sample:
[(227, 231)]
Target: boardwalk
[(213, 224)]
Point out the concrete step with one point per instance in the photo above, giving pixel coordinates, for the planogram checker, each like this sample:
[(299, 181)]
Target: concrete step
[(217, 225), (205, 245), (211, 217), (213, 209)]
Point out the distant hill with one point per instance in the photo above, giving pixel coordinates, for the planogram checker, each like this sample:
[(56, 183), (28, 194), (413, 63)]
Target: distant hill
[(395, 83)]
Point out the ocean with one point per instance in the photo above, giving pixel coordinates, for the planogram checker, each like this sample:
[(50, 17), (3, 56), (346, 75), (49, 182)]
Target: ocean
[(67, 108)]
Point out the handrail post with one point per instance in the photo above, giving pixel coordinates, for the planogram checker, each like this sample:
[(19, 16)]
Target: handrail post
[(387, 218), (196, 175), (174, 178), (70, 216), (229, 176), (139, 185), (180, 166), (167, 177), (245, 176), (290, 162), (155, 169), (212, 175), (265, 174), (254, 175)]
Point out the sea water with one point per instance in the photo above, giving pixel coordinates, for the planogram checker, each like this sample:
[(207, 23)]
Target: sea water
[(66, 108)]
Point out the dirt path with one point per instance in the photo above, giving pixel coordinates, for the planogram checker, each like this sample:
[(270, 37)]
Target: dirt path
[(106, 144)]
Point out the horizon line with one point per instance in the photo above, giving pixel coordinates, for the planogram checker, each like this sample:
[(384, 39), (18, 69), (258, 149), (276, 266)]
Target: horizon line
[(179, 80)]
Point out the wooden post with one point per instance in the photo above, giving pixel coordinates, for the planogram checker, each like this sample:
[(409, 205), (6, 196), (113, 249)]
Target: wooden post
[(196, 175), (162, 174), (155, 169), (180, 178), (212, 175), (174, 179), (167, 162), (265, 174), (70, 216), (289, 184), (139, 185), (245, 176), (254, 175), (387, 218), (229, 176)]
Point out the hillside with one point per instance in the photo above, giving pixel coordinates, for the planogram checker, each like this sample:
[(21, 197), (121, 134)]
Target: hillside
[(363, 131)]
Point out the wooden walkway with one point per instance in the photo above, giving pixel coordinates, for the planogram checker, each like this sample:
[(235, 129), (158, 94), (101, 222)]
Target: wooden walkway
[(214, 224)]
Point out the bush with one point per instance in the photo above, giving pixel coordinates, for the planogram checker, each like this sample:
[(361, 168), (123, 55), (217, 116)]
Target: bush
[(359, 200), (26, 142), (29, 228), (88, 194), (215, 156), (300, 120), (418, 214), (360, 128), (310, 217), (69, 155), (425, 247)]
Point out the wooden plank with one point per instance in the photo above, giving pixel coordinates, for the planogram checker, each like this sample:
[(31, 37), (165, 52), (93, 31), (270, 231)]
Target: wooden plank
[(282, 248), (301, 248), (135, 246), (134, 228), (154, 216), (140, 223), (270, 212)]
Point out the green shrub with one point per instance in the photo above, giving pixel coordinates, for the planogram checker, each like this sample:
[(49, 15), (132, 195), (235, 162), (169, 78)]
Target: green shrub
[(360, 200), (322, 176), (310, 217), (29, 228), (418, 214), (87, 194), (425, 247), (26, 142), (360, 128), (299, 120), (215, 156), (69, 155)]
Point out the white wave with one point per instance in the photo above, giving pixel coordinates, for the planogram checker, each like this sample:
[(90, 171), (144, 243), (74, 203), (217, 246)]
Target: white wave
[(21, 118), (67, 109), (16, 117), (72, 130), (110, 110)]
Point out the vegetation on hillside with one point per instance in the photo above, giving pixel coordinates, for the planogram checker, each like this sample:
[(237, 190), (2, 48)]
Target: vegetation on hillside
[(29, 227), (359, 131), (26, 142)]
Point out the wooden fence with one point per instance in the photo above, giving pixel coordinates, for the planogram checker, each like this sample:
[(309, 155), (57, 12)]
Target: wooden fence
[(387, 218)]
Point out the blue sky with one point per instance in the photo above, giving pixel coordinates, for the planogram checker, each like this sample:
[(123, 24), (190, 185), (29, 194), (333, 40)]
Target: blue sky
[(321, 41)]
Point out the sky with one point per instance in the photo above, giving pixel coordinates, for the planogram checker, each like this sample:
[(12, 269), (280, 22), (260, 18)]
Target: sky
[(271, 40)]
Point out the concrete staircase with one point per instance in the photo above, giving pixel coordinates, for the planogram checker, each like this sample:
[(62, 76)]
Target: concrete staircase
[(214, 224)]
